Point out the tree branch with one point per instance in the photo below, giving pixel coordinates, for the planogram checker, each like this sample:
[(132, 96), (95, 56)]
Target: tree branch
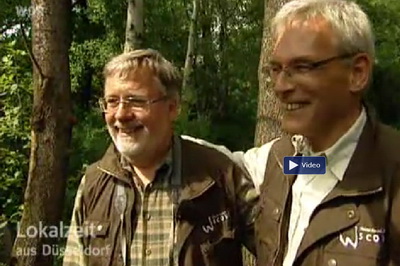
[(32, 57)]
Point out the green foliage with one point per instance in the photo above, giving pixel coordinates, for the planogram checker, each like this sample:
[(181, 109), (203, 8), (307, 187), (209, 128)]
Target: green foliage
[(200, 127), (13, 12), (89, 142), (384, 93), (224, 78), (87, 61), (15, 102), (171, 38), (166, 29)]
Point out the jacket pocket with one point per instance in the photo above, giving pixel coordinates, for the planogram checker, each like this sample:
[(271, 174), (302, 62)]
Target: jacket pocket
[(343, 259), (268, 230), (267, 224), (95, 229), (224, 251), (97, 240)]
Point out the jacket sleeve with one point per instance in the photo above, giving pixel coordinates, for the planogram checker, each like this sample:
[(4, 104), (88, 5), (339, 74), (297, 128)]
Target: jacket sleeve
[(74, 254), (246, 199), (394, 226), (203, 142), (253, 160)]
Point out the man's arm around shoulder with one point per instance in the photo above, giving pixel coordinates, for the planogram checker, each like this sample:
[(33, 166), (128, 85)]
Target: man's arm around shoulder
[(254, 160)]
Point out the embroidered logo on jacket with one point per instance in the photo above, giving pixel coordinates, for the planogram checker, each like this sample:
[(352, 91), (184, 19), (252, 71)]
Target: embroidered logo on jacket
[(214, 220), (362, 234)]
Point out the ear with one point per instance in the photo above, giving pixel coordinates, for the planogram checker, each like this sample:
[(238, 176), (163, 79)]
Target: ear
[(174, 107), (361, 72)]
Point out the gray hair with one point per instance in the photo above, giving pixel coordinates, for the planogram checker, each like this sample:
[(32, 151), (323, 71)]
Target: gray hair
[(346, 18), (126, 63)]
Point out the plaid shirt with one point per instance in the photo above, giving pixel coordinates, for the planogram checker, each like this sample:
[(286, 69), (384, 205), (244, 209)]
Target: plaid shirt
[(74, 251), (153, 230)]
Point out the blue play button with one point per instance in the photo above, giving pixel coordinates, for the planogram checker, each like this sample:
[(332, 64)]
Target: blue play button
[(304, 165)]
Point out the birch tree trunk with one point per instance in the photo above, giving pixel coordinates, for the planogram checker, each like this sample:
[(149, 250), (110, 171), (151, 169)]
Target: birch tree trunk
[(134, 26), (190, 55), (222, 60), (268, 113), (51, 132)]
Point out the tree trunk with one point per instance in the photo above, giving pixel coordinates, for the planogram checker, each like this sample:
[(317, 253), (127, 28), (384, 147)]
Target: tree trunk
[(134, 26), (6, 243), (187, 92), (223, 60), (206, 62), (51, 133), (268, 114)]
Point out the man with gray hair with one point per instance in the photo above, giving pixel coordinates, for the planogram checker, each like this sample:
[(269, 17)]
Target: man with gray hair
[(154, 198), (321, 64)]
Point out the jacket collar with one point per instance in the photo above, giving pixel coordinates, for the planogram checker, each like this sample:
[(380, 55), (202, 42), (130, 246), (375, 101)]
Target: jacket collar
[(114, 164), (339, 154), (111, 164), (362, 177), (195, 181), (362, 174)]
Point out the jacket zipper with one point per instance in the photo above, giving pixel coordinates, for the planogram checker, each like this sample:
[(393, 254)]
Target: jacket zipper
[(280, 224), (111, 174), (122, 217)]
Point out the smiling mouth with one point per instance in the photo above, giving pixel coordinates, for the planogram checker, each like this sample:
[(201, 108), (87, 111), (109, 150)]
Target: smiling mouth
[(129, 130), (294, 106)]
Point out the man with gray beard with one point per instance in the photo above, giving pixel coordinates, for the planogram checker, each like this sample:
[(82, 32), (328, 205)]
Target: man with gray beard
[(154, 198)]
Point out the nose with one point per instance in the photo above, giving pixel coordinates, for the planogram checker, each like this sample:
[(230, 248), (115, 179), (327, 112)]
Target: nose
[(283, 83), (123, 113)]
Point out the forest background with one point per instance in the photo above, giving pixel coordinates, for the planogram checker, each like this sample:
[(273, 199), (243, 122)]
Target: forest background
[(216, 43)]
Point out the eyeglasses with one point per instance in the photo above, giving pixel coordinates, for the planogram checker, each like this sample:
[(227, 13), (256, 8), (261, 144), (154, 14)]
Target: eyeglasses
[(111, 104), (299, 69)]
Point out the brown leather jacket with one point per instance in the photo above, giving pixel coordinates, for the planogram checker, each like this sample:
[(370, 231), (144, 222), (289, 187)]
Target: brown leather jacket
[(358, 223), (212, 184)]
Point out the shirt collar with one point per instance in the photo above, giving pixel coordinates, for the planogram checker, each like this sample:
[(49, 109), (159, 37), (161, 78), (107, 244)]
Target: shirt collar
[(339, 154), (166, 163)]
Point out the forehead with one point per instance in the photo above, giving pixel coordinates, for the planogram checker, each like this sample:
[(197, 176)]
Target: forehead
[(142, 81), (312, 38)]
